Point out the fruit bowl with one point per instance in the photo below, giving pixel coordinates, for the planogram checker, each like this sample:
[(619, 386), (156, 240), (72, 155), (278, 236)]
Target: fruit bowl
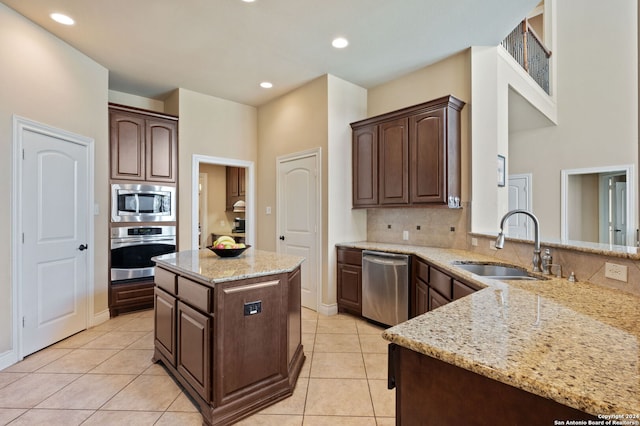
[(228, 252)]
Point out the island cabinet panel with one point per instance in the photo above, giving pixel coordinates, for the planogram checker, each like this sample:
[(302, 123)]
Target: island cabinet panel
[(251, 317), (165, 324), (349, 280), (194, 349), (409, 157), (433, 392), (234, 346)]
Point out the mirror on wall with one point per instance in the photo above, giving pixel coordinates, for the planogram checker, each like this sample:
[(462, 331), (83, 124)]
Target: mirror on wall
[(597, 207)]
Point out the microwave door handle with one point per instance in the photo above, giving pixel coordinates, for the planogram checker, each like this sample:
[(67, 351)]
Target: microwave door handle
[(137, 203)]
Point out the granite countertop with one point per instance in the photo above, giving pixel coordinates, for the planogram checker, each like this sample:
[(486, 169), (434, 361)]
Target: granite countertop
[(204, 265), (575, 343)]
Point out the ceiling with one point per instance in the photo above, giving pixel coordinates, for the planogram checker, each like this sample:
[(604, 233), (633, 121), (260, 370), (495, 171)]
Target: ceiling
[(225, 48)]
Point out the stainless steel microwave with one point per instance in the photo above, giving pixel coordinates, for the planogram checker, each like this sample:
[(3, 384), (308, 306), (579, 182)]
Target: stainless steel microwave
[(142, 203)]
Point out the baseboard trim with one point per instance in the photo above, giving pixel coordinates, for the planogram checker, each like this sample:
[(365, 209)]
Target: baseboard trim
[(100, 317), (328, 310), (8, 358)]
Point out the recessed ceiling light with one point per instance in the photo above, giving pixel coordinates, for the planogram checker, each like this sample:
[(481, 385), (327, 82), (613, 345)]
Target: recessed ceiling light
[(62, 19), (266, 85), (248, 1), (340, 43)]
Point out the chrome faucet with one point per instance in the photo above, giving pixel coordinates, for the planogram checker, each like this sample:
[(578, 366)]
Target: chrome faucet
[(536, 244)]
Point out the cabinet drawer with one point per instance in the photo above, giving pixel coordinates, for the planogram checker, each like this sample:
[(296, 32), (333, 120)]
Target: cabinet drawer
[(422, 271), (350, 256), (165, 280), (194, 294), (461, 289), (441, 282)]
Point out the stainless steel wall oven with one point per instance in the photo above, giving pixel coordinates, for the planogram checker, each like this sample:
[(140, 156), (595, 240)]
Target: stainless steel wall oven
[(132, 248)]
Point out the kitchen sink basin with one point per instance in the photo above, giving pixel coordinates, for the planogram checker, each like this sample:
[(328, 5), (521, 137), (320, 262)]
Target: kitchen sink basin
[(490, 270)]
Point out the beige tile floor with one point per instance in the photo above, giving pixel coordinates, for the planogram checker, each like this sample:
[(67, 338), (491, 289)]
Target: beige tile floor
[(104, 376)]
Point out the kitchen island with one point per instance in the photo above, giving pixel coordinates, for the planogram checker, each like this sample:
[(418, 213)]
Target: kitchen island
[(229, 329), (516, 352)]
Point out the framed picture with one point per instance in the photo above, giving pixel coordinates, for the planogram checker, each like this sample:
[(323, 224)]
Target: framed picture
[(501, 171)]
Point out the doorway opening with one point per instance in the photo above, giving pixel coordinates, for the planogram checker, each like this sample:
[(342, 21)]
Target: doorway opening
[(597, 205), (210, 212)]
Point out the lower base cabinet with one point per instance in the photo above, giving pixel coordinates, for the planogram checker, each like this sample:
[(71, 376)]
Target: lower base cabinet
[(130, 297), (349, 280), (235, 347), (433, 392)]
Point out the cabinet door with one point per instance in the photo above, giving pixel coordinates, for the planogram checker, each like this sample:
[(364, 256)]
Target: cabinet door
[(127, 140), (350, 288), (427, 147), (165, 324), (394, 162), (161, 148), (233, 187), (194, 349), (422, 297), (365, 166), (242, 186), (436, 299)]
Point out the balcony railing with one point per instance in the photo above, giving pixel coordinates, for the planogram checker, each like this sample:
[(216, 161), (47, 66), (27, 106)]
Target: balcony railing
[(527, 48)]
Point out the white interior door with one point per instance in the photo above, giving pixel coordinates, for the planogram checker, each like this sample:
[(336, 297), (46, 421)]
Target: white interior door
[(298, 219), (54, 267), (520, 197), (620, 214)]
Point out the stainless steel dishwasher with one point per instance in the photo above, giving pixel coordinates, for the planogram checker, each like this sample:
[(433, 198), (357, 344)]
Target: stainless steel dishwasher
[(385, 287)]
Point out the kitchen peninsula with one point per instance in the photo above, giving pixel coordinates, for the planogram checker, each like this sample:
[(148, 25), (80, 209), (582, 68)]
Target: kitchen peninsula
[(229, 329), (516, 351)]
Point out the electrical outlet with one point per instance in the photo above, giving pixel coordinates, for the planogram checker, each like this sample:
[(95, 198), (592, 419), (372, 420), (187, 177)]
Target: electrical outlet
[(492, 245), (405, 235), (615, 272), (474, 242)]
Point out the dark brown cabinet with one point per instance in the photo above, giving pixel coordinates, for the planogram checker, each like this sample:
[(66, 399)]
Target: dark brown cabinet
[(194, 349), (431, 392), (234, 346), (236, 186), (408, 157), (349, 280), (129, 297), (164, 324), (365, 166), (144, 145), (393, 162), (432, 288)]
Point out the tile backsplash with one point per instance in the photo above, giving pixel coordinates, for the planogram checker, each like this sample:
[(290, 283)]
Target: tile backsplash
[(438, 227), (449, 228)]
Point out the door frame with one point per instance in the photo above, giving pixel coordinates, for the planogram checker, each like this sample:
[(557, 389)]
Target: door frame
[(20, 124), (317, 153), (250, 213), (629, 169)]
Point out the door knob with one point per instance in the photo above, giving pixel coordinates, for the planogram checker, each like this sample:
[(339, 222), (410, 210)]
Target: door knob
[(282, 237), (83, 247)]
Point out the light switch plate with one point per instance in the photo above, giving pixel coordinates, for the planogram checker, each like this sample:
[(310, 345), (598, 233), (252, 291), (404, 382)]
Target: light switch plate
[(615, 271)]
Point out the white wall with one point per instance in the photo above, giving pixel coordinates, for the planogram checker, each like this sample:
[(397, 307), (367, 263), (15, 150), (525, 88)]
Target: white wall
[(597, 102), (347, 103), (46, 80), (208, 126)]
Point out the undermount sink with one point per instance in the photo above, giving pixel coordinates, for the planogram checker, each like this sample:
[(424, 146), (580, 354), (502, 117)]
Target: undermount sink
[(489, 270)]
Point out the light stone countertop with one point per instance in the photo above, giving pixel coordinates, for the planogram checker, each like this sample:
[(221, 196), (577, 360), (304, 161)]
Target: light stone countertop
[(575, 343), (204, 265)]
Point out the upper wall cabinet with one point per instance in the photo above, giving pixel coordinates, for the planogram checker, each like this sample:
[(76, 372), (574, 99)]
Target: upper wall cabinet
[(144, 145), (236, 186), (409, 157)]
